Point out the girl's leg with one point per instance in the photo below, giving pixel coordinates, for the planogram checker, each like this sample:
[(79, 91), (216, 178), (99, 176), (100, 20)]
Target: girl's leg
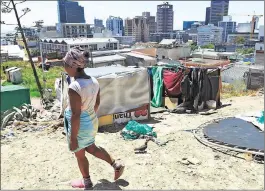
[(102, 154), (84, 169), (82, 163)]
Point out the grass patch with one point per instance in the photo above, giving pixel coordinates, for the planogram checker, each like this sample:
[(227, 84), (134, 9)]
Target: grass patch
[(28, 77), (236, 89)]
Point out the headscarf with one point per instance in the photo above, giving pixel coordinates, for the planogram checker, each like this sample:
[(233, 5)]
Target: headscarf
[(76, 57)]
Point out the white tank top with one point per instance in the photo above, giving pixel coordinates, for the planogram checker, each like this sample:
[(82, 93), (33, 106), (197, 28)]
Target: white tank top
[(88, 90)]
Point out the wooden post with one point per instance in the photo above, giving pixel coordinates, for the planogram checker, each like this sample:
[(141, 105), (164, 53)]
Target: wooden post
[(27, 49)]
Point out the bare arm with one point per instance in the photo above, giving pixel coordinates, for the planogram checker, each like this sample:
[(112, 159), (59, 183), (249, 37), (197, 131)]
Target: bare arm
[(97, 101), (75, 104)]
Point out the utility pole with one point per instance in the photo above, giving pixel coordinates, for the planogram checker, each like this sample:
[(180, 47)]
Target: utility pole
[(27, 49)]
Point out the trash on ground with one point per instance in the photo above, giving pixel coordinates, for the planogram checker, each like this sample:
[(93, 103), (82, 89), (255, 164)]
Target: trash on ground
[(133, 130)]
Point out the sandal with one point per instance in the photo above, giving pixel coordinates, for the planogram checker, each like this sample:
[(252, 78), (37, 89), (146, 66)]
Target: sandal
[(119, 168), (85, 183)]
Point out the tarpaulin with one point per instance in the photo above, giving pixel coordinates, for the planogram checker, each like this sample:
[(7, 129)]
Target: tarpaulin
[(121, 88), (157, 86), (172, 82)]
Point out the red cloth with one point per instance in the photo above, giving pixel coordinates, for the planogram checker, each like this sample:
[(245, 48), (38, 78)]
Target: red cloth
[(172, 82)]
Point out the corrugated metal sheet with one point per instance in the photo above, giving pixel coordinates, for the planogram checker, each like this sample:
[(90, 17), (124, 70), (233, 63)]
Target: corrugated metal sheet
[(111, 58)]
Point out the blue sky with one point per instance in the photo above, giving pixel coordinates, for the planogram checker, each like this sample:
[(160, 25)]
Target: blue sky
[(183, 10)]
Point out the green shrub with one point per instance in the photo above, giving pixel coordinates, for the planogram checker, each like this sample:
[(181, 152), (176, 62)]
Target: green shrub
[(28, 77)]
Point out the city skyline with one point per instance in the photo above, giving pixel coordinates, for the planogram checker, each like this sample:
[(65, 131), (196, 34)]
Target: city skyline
[(196, 10)]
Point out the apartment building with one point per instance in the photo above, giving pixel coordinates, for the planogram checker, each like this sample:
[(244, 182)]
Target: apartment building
[(151, 21), (115, 24), (209, 34), (228, 26), (165, 18), (128, 27), (74, 30), (138, 28)]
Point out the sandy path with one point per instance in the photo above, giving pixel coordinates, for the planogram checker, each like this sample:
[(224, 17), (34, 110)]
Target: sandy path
[(39, 161)]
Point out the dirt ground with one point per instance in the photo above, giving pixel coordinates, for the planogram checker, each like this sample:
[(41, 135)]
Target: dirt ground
[(42, 161)]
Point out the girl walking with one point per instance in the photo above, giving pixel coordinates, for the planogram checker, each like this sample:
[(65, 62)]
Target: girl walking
[(80, 119)]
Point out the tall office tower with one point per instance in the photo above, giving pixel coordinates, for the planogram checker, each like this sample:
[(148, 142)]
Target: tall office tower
[(207, 16), (164, 18), (219, 8), (70, 12), (151, 21)]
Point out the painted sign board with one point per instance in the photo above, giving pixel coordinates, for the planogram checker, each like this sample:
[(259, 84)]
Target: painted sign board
[(138, 114)]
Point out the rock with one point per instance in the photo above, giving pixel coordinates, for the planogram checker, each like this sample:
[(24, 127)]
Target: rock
[(16, 123), (166, 113), (194, 161), (25, 129), (217, 157), (186, 162)]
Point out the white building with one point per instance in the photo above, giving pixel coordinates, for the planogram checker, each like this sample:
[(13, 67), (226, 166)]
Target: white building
[(243, 28), (104, 34), (261, 33), (65, 44), (49, 32), (228, 27), (74, 30), (125, 40), (13, 51), (231, 38), (209, 34)]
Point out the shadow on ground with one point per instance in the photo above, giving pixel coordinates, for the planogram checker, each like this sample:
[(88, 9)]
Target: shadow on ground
[(115, 128), (107, 185)]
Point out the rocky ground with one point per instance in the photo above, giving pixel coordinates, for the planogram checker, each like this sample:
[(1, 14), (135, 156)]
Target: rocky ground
[(41, 160)]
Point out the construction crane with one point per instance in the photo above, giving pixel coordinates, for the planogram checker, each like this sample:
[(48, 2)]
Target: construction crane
[(254, 20)]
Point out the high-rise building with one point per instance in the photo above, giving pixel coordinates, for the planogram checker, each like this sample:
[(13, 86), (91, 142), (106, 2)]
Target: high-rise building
[(209, 34), (128, 27), (70, 12), (164, 18), (219, 8), (115, 24), (151, 21), (228, 27), (140, 28), (207, 15), (98, 23)]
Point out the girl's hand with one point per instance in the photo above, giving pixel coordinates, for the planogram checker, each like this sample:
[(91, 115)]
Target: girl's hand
[(73, 144)]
